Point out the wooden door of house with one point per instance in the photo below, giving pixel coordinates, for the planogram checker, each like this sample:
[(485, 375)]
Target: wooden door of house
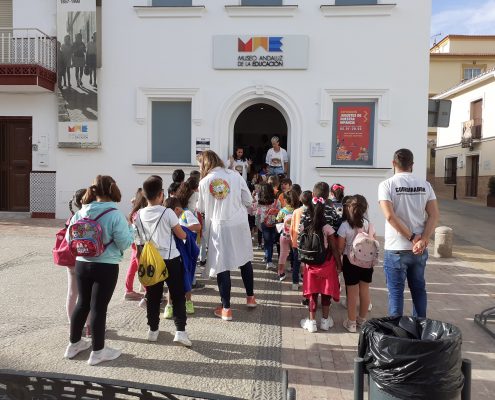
[(15, 163), (472, 178)]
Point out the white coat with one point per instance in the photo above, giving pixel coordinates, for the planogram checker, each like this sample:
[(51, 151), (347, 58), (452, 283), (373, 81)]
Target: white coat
[(224, 198)]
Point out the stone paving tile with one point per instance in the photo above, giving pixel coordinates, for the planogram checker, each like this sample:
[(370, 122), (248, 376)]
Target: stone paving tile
[(456, 291)]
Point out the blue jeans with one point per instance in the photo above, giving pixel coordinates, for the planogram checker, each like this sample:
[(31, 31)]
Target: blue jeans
[(276, 170), (269, 238), (399, 266)]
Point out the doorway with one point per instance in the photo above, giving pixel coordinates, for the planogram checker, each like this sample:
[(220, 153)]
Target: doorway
[(15, 163), (473, 170), (253, 129)]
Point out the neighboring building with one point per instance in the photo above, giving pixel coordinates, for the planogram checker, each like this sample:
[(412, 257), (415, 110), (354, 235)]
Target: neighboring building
[(465, 153), (454, 59), (328, 77)]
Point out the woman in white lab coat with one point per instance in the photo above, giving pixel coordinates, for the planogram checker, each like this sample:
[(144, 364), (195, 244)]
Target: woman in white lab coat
[(224, 198)]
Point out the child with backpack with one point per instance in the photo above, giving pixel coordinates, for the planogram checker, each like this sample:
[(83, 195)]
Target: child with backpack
[(187, 219), (266, 211), (318, 250), (98, 234), (357, 244), (157, 225), (285, 217), (336, 196), (138, 202)]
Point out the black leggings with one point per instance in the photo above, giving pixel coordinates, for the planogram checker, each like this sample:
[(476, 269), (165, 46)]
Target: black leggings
[(224, 283), (96, 283), (175, 283)]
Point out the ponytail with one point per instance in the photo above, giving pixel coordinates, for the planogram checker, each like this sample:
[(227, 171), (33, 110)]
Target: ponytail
[(90, 195)]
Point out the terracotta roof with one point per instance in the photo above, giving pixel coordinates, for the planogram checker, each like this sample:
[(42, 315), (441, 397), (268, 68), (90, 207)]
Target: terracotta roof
[(463, 54), (468, 37)]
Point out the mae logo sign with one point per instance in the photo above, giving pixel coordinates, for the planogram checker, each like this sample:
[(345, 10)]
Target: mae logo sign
[(78, 134), (260, 52)]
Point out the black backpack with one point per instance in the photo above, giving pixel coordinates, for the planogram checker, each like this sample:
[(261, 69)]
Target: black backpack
[(311, 248)]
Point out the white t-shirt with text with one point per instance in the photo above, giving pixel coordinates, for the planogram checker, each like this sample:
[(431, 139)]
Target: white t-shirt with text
[(409, 196), (162, 237)]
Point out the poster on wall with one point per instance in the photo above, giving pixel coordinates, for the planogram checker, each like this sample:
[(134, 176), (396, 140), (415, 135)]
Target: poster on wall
[(76, 70), (353, 133)]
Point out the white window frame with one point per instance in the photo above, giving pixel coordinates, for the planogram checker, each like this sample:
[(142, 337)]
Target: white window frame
[(147, 10), (144, 99)]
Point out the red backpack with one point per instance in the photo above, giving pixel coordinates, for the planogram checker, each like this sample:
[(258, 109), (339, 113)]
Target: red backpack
[(61, 252), (270, 219)]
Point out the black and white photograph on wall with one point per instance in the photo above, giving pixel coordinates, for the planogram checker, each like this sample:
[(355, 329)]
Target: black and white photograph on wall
[(77, 72)]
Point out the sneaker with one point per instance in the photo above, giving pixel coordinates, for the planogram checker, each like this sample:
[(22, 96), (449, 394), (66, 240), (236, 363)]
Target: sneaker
[(349, 325), (282, 277), (73, 349), (360, 321), (133, 296), (153, 335), (251, 301), (168, 313), (189, 308), (326, 323), (198, 286), (270, 265), (295, 287), (224, 313), (182, 338), (105, 354), (370, 307), (309, 325), (202, 263), (305, 302), (143, 303)]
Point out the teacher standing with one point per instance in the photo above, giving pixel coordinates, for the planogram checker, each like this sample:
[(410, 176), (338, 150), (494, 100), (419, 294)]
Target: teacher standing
[(224, 198), (277, 159)]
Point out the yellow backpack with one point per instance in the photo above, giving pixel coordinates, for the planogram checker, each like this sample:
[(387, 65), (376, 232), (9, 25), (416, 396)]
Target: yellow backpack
[(152, 268)]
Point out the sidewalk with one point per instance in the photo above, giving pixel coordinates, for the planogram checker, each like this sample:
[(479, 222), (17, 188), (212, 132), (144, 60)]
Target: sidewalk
[(243, 358)]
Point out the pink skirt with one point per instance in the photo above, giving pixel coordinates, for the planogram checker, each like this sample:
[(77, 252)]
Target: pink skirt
[(322, 279)]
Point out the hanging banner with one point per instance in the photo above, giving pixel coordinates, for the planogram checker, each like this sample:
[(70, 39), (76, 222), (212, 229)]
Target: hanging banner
[(76, 68), (353, 133)]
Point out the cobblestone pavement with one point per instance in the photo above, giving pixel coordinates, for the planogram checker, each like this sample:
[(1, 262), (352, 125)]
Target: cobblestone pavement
[(240, 358)]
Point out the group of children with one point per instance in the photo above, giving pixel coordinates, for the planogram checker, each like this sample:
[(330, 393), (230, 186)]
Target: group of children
[(282, 211)]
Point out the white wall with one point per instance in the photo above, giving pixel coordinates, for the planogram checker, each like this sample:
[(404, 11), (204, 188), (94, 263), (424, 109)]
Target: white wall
[(356, 53), (460, 112), (40, 14)]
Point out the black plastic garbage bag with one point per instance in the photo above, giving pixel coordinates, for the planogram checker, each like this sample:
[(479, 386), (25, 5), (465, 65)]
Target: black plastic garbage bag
[(413, 358)]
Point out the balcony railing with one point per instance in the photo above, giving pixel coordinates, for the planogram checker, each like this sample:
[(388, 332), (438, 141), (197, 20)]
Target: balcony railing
[(471, 130), (28, 46)]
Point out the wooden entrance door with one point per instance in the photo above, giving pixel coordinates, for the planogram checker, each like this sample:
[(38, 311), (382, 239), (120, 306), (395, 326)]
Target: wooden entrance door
[(15, 163), (472, 178)]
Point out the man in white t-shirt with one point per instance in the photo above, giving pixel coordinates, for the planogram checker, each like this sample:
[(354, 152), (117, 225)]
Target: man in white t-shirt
[(277, 159), (411, 214)]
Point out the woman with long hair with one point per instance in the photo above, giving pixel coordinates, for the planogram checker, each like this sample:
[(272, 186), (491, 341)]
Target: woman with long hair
[(224, 198)]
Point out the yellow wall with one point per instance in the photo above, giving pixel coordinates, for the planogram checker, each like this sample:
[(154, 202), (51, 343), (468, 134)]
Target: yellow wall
[(446, 72), (472, 46)]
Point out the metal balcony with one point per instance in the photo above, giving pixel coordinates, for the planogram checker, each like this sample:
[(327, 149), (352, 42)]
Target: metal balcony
[(28, 60), (471, 132)]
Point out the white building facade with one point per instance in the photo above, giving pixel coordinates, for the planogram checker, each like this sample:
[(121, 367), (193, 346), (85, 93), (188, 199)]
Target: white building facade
[(217, 73)]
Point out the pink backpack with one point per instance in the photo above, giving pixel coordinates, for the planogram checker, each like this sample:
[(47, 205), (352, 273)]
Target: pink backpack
[(61, 252), (270, 219), (86, 237), (364, 249)]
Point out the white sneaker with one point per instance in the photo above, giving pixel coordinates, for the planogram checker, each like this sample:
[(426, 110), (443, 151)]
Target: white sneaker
[(270, 265), (326, 323), (370, 307), (143, 303), (153, 335), (349, 325), (182, 338), (295, 286), (309, 325), (73, 349), (105, 354)]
